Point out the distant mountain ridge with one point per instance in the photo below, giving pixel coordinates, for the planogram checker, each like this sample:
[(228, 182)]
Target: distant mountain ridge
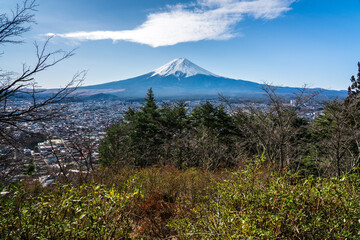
[(182, 78)]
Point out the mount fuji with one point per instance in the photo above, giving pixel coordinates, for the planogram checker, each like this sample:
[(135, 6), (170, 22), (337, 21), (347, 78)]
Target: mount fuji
[(182, 78)]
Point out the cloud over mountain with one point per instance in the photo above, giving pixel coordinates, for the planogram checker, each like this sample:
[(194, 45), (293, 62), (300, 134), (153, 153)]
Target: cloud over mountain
[(201, 20)]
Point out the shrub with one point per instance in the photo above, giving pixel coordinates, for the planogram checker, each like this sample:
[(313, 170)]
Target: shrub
[(162, 203)]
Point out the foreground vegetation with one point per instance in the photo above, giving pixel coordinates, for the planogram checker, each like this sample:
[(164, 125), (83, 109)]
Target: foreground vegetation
[(252, 203)]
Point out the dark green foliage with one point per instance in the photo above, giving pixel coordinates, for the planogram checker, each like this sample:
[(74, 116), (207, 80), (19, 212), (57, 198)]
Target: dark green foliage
[(134, 140), (354, 88), (145, 135), (171, 135), (31, 167), (174, 118), (150, 106), (214, 119), (113, 146)]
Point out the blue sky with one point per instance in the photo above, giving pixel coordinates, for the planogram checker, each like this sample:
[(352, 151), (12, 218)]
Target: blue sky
[(283, 42)]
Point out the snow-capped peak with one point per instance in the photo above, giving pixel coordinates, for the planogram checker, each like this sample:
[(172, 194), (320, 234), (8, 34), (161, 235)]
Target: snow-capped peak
[(181, 67)]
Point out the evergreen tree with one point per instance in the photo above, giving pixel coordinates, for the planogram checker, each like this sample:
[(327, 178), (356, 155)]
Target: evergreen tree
[(136, 140), (146, 136), (150, 107), (174, 119), (213, 118), (214, 135), (114, 147), (354, 88), (176, 129)]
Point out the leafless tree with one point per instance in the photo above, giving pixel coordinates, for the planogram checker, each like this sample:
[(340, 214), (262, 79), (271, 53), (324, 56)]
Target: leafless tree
[(271, 131), (285, 114), (55, 152), (352, 104), (338, 131), (82, 149), (336, 135), (22, 86)]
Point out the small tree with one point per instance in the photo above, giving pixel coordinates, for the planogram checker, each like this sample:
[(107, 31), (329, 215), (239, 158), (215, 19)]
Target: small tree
[(337, 130), (354, 88), (334, 135), (175, 129), (273, 131), (214, 139), (114, 148), (352, 103)]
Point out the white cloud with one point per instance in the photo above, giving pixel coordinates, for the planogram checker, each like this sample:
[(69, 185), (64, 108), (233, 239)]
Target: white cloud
[(201, 20)]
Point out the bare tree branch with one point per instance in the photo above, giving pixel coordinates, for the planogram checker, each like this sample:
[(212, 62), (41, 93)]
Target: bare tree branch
[(21, 100)]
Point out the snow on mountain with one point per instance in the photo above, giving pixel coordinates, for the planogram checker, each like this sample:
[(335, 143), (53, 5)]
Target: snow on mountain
[(181, 67)]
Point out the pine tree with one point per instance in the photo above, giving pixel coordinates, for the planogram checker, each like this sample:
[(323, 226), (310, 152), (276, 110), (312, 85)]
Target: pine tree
[(213, 118), (150, 107), (354, 88), (146, 136), (352, 105)]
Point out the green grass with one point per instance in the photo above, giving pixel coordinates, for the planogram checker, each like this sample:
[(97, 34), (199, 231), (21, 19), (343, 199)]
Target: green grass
[(154, 203)]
